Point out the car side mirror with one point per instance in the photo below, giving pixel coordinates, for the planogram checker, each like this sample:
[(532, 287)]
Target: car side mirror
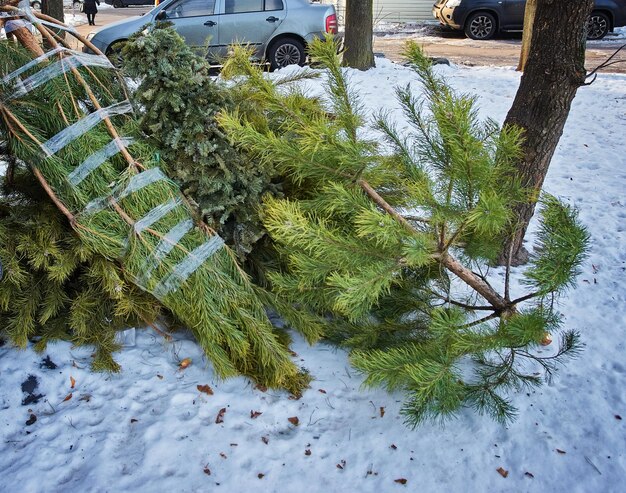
[(161, 16)]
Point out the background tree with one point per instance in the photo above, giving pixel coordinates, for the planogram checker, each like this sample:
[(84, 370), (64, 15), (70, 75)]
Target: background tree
[(53, 8), (553, 73), (359, 53), (388, 251)]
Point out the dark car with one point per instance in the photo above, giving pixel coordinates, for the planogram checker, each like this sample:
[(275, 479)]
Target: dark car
[(483, 19)]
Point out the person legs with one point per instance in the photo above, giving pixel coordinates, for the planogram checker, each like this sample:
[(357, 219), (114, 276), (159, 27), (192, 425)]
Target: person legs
[(91, 19)]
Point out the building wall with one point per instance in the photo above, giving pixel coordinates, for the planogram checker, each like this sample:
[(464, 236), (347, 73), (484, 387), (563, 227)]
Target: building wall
[(393, 10)]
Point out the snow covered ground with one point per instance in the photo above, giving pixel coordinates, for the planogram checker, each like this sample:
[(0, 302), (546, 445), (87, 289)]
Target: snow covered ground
[(150, 428)]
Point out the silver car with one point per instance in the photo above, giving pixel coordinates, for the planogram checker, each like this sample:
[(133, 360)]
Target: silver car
[(279, 30)]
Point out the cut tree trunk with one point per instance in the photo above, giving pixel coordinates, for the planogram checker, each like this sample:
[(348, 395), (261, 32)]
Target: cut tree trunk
[(554, 71), (358, 42)]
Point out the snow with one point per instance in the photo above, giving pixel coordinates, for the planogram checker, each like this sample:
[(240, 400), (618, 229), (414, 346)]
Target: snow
[(150, 429)]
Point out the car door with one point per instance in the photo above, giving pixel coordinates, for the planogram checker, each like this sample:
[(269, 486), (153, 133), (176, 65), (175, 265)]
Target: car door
[(513, 14), (195, 21), (250, 22)]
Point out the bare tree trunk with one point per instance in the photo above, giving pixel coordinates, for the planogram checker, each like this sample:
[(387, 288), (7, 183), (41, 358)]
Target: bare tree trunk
[(554, 71), (358, 43), (53, 8), (529, 19)]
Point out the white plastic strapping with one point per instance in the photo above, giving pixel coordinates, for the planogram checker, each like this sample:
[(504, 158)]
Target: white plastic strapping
[(94, 161), (159, 212), (57, 68), (187, 267), (8, 78), (62, 27), (71, 133), (165, 246), (141, 180), (14, 24)]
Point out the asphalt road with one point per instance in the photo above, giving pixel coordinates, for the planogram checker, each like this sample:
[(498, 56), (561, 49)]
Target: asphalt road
[(436, 41)]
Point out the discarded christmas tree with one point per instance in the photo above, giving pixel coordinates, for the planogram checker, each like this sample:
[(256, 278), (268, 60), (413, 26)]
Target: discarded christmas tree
[(179, 101), (395, 244), (55, 288), (60, 116)]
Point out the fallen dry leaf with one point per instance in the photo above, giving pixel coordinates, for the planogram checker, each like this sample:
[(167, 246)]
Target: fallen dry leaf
[(393, 446), (617, 416), (220, 416), (255, 414), (67, 397), (400, 480), (223, 455), (72, 382), (529, 474), (503, 472), (207, 471), (31, 420), (342, 464), (307, 452), (260, 475), (184, 363), (133, 420), (321, 391), (260, 387), (294, 420), (205, 388), (560, 451), (234, 444), (382, 411), (160, 377), (265, 440)]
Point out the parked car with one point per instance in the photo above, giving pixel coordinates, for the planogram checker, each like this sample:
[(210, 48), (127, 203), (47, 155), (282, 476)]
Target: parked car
[(67, 4), (279, 30), (483, 19), (128, 3)]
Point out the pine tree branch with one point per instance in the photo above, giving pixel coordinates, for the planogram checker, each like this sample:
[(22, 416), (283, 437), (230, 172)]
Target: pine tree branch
[(79, 78), (525, 297), (480, 320), (479, 285), (507, 275), (476, 282)]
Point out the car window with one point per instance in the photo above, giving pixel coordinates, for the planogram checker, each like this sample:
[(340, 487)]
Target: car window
[(237, 6), (273, 4), (191, 8)]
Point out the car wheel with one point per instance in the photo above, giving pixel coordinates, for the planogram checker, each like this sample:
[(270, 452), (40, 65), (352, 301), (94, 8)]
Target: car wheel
[(597, 25), (481, 25), (286, 51), (35, 5), (114, 53), (117, 4), (77, 5)]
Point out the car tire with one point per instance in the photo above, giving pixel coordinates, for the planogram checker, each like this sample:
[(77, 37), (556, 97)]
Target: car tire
[(481, 26), (114, 53), (77, 5), (117, 4), (35, 5), (598, 25), (286, 51)]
